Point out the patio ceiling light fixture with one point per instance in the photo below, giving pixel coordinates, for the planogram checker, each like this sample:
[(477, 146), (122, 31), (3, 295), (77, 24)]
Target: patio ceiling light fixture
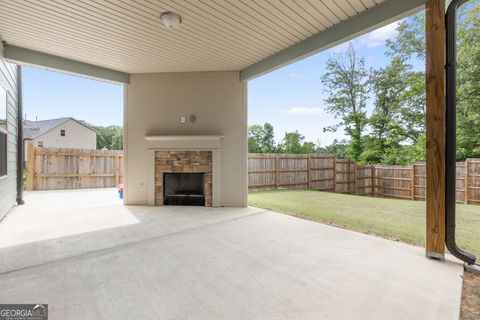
[(171, 20)]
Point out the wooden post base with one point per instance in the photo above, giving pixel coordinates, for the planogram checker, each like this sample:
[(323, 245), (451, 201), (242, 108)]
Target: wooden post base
[(435, 256)]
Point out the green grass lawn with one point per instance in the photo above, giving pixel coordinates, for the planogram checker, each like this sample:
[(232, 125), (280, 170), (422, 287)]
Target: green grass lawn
[(403, 220)]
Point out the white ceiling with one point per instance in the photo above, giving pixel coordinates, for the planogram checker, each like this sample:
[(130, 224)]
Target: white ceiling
[(128, 36)]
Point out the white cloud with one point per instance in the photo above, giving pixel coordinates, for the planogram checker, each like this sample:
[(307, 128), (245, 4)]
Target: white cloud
[(378, 37), (372, 39), (303, 111), (297, 76)]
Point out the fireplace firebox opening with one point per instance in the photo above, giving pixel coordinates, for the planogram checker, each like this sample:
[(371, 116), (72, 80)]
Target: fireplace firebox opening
[(185, 189)]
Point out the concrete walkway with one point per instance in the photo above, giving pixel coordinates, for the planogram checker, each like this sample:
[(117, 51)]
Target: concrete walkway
[(90, 257)]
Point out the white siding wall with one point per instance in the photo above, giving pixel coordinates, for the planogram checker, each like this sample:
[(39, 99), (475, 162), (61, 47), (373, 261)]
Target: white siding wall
[(8, 184), (154, 104), (76, 136)]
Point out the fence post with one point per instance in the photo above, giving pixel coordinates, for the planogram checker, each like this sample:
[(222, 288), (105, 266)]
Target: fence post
[(465, 183), (308, 172), (334, 173), (277, 174), (117, 170), (30, 167), (413, 182), (355, 185), (373, 181)]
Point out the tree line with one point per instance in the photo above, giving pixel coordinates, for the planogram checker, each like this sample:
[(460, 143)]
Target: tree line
[(109, 137), (261, 140), (394, 131)]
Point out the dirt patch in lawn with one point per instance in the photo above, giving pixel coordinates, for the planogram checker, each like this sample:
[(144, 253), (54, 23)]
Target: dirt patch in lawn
[(471, 297)]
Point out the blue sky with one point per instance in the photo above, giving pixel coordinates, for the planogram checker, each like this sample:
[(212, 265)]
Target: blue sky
[(290, 98), (51, 95)]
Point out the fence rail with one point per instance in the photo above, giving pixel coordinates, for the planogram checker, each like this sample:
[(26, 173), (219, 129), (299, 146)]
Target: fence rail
[(326, 173), (66, 168)]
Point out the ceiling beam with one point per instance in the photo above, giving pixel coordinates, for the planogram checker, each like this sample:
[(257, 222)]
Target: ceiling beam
[(371, 19), (25, 56)]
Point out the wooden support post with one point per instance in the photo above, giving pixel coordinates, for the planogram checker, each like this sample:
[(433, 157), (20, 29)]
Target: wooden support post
[(435, 128), (30, 167), (465, 183), (277, 173)]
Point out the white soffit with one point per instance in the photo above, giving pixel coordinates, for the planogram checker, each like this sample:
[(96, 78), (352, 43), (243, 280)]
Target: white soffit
[(128, 36)]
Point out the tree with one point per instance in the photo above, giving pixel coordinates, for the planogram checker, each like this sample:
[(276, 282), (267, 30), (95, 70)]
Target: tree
[(397, 121), (308, 147), (409, 43), (261, 138), (388, 84), (345, 81), (254, 138), (410, 40), (398, 115), (338, 148), (468, 82), (268, 138), (293, 142), (109, 137), (412, 112)]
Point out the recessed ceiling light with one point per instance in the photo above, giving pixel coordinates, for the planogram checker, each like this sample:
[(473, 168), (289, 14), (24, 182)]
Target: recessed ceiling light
[(171, 20)]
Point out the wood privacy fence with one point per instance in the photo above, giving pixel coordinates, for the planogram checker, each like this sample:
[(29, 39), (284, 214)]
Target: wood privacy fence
[(326, 173), (66, 168)]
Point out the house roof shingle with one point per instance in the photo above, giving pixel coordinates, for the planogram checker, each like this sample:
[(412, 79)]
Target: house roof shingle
[(33, 129)]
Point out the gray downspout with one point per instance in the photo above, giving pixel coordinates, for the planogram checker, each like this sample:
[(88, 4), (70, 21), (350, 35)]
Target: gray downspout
[(451, 134), (20, 151)]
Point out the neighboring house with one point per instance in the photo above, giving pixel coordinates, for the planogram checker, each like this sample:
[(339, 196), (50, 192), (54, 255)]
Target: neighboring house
[(59, 133)]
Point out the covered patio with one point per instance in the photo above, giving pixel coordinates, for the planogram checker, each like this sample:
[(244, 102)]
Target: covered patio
[(88, 255), (185, 67), (102, 260)]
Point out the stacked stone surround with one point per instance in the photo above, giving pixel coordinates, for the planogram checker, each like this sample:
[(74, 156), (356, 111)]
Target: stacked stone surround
[(184, 162)]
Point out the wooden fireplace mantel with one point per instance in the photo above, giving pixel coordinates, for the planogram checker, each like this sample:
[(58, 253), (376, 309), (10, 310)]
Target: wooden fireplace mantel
[(184, 142), (184, 138)]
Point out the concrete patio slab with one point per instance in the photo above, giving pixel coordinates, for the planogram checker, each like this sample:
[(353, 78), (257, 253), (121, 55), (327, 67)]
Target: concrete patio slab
[(90, 257)]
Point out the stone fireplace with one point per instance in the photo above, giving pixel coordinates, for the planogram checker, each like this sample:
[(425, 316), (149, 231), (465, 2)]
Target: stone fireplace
[(184, 170), (183, 178)]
